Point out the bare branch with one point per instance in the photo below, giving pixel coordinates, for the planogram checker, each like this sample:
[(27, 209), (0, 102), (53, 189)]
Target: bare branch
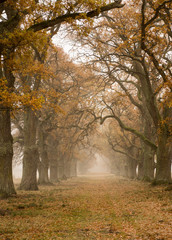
[(126, 128)]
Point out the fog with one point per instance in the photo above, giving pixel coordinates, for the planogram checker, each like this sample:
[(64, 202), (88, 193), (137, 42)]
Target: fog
[(100, 165), (17, 171)]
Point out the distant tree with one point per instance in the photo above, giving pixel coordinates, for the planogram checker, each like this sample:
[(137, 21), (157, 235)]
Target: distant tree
[(126, 145)]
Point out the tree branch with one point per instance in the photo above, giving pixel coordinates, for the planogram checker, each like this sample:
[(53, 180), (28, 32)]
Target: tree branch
[(126, 128), (143, 37), (80, 15)]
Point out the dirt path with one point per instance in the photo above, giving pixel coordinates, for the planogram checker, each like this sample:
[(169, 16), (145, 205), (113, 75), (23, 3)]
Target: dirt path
[(89, 207)]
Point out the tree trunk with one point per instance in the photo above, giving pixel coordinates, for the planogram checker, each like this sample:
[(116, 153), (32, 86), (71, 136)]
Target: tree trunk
[(6, 140), (140, 170), (31, 155), (44, 161), (73, 169), (132, 168), (6, 154), (115, 168), (53, 172), (43, 169), (148, 164), (60, 169), (163, 170), (148, 153), (67, 168)]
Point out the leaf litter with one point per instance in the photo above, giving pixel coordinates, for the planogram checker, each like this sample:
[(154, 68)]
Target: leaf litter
[(101, 207)]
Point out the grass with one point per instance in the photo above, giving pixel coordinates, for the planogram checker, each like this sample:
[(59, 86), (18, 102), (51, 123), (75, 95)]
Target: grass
[(101, 207)]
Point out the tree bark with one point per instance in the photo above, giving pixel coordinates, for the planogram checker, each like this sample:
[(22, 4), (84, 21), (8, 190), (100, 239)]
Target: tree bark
[(132, 168), (148, 164), (6, 154), (60, 168), (140, 170), (6, 140), (43, 168), (163, 170), (67, 168), (53, 172), (31, 155), (44, 161), (73, 169), (148, 153)]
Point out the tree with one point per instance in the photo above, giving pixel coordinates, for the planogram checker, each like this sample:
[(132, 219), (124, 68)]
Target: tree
[(133, 56), (20, 22), (156, 46), (33, 83)]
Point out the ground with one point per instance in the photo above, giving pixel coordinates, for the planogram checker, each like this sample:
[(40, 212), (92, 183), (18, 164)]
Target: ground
[(89, 207)]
